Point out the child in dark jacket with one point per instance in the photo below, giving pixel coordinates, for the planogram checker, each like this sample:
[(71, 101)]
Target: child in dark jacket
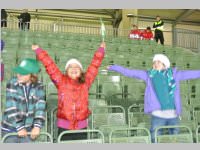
[(25, 104)]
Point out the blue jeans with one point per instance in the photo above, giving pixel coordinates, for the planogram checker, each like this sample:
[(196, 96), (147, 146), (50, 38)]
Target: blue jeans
[(156, 122), (15, 139)]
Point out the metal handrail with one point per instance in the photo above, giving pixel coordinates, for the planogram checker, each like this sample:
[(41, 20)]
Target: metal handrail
[(129, 129), (29, 133), (172, 126), (81, 131)]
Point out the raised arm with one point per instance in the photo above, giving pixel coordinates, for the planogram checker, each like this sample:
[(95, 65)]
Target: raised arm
[(53, 71), (138, 74), (92, 70)]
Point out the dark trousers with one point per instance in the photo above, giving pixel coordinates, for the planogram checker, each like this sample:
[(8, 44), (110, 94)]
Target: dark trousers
[(159, 36), (24, 26), (72, 136)]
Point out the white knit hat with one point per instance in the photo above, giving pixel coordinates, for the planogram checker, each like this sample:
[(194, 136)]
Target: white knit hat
[(73, 61), (162, 58)]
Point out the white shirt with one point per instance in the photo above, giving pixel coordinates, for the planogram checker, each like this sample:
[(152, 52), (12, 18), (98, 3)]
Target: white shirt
[(166, 114)]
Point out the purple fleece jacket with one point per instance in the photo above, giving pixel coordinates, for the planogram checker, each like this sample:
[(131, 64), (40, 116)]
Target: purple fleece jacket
[(151, 102)]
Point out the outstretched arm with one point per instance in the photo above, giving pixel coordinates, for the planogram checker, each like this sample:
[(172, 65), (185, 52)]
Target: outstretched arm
[(92, 70), (188, 74), (50, 66), (138, 74)]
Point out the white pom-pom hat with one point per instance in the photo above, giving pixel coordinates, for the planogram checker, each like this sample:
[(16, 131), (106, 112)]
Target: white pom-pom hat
[(73, 61), (162, 58)]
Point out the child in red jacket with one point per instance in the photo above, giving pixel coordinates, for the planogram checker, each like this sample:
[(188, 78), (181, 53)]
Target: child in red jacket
[(147, 34), (135, 33), (73, 88)]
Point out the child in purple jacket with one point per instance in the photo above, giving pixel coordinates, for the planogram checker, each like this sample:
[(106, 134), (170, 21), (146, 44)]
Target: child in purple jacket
[(162, 94)]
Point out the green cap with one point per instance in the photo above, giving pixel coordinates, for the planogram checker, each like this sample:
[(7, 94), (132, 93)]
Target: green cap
[(27, 66)]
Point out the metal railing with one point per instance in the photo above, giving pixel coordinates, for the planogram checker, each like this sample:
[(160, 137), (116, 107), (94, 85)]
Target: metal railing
[(183, 38), (187, 39), (60, 27)]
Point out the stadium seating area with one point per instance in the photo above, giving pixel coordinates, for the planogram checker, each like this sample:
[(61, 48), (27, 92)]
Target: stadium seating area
[(116, 101)]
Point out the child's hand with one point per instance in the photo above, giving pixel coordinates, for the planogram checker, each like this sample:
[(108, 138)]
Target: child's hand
[(34, 47), (108, 67), (22, 133), (35, 133), (103, 44)]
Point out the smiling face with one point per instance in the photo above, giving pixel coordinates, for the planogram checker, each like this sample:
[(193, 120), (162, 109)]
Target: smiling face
[(158, 65), (24, 78), (74, 71)]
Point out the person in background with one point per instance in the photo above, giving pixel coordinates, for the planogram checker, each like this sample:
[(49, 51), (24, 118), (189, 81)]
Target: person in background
[(162, 98), (25, 106), (24, 20), (147, 34), (135, 33), (159, 25), (4, 16)]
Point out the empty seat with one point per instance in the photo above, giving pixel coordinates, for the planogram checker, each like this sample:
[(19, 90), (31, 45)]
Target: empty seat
[(198, 134), (93, 136), (130, 135), (136, 115), (184, 135), (106, 118)]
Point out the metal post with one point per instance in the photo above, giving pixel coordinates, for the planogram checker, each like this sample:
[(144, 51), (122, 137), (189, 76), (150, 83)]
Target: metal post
[(198, 43), (174, 35)]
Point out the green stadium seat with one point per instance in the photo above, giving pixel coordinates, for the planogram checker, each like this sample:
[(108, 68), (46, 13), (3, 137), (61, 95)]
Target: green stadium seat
[(96, 99), (93, 136), (8, 73), (130, 135), (106, 118), (53, 126), (94, 88), (136, 115), (134, 87), (196, 114), (198, 134), (184, 135), (109, 85), (44, 137), (51, 88)]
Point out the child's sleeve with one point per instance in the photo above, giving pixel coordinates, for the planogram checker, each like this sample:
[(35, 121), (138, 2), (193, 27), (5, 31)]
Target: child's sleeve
[(138, 74), (92, 70), (52, 70), (188, 74)]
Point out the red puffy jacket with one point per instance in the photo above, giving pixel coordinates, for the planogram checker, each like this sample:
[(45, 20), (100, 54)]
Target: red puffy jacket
[(135, 34), (72, 96)]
